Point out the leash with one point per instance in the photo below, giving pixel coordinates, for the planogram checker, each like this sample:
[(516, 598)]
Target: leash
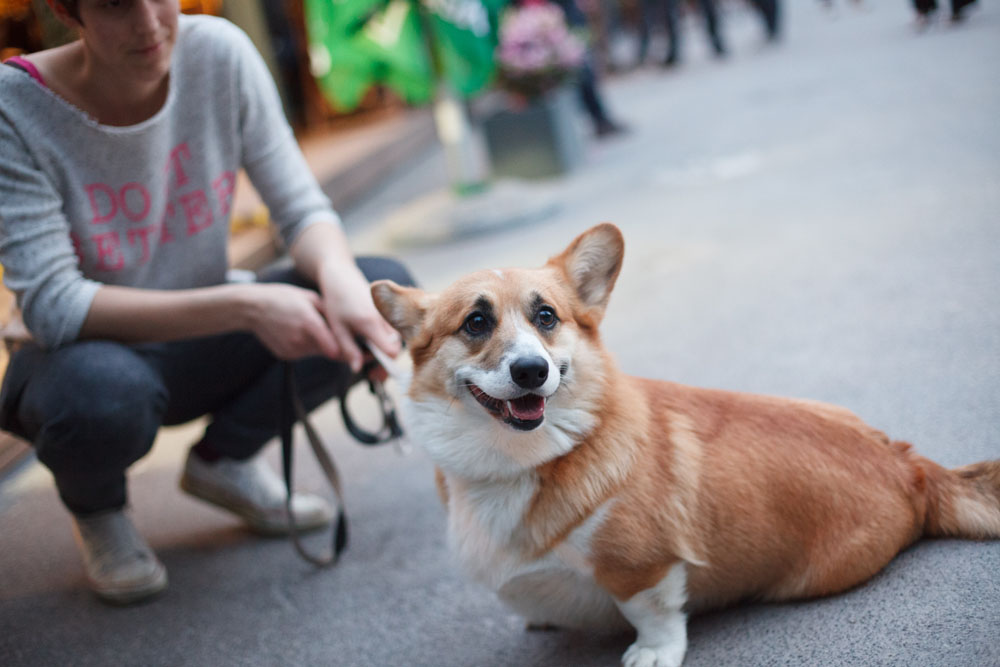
[(390, 430), (293, 410)]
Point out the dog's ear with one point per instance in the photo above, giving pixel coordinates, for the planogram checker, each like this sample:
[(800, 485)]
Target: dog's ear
[(402, 307), (592, 262)]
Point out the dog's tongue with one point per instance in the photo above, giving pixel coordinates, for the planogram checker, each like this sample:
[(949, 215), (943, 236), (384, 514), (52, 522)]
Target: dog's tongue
[(527, 408)]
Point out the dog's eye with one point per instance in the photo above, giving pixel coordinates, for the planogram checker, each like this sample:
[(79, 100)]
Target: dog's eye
[(546, 317), (476, 324)]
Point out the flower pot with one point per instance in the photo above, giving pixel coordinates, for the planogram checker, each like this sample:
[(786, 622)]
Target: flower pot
[(541, 139)]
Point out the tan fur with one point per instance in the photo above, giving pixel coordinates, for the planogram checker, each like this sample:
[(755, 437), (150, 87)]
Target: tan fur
[(442, 486), (791, 501), (760, 497), (574, 485)]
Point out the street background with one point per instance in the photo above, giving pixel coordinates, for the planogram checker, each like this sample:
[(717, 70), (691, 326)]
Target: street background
[(816, 218)]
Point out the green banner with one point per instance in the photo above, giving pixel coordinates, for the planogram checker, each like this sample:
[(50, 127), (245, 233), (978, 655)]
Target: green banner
[(355, 44)]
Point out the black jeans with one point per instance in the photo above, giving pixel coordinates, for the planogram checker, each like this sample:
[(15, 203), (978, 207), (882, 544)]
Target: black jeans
[(93, 408)]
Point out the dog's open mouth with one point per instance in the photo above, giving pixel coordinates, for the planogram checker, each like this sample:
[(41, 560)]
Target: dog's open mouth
[(524, 413)]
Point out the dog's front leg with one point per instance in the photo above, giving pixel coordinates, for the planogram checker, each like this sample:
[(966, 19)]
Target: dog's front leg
[(657, 615)]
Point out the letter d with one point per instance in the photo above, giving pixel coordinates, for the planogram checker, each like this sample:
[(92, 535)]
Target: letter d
[(95, 207)]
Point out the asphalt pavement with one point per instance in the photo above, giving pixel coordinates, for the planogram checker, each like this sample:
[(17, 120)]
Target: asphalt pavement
[(818, 218)]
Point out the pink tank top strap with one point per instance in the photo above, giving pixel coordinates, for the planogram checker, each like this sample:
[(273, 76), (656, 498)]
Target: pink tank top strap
[(27, 66)]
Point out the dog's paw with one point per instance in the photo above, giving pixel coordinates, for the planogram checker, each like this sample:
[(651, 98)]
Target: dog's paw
[(640, 655)]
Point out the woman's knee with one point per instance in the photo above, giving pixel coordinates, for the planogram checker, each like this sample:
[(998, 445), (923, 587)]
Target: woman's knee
[(385, 268), (94, 404), (373, 267)]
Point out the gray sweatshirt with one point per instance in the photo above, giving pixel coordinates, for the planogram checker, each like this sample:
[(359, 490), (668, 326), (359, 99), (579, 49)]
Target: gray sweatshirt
[(148, 205)]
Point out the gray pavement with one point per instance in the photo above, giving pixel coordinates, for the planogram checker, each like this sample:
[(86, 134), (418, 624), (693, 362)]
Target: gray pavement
[(817, 219)]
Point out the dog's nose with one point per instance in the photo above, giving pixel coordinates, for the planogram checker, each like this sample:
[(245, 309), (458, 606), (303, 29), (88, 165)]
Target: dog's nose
[(529, 372)]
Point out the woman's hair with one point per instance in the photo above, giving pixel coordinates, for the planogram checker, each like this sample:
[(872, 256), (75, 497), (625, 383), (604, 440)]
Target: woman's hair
[(72, 7)]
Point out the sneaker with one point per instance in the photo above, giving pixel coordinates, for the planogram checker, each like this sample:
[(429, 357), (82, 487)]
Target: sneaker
[(252, 491), (120, 566)]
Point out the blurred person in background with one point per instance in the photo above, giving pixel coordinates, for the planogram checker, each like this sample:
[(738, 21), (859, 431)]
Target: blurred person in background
[(769, 11), (927, 8), (121, 151), (672, 15), (587, 84)]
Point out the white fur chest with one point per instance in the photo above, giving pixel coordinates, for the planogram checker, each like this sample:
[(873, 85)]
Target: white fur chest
[(486, 531), (484, 522), (487, 519), (557, 588)]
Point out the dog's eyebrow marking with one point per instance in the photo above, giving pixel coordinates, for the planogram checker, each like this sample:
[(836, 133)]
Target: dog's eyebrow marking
[(484, 306), (536, 303)]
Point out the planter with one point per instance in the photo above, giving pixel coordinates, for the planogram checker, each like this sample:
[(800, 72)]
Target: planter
[(539, 140)]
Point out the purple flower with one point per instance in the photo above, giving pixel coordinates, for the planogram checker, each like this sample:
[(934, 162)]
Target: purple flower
[(536, 51)]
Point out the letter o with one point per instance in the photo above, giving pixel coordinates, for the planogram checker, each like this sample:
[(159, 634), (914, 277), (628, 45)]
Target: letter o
[(123, 202)]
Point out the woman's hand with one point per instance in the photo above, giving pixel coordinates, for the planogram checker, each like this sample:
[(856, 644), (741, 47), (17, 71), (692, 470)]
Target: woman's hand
[(321, 252), (292, 322), (351, 313), (289, 321)]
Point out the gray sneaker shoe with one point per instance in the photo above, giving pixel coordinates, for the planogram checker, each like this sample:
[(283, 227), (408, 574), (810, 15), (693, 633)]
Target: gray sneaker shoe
[(120, 566), (252, 491)]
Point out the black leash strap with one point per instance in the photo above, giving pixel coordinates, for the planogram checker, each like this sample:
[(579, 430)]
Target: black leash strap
[(292, 410), (390, 429)]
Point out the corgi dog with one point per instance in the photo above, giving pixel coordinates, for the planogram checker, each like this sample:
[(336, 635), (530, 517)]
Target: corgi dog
[(588, 498)]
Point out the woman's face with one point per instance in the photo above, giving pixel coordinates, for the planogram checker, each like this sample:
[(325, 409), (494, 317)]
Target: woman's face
[(132, 37)]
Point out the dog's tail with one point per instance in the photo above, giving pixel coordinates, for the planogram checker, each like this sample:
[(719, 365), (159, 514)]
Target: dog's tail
[(961, 502)]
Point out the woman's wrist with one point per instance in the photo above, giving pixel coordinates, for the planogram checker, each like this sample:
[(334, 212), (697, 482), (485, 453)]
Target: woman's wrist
[(237, 305), (334, 275)]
